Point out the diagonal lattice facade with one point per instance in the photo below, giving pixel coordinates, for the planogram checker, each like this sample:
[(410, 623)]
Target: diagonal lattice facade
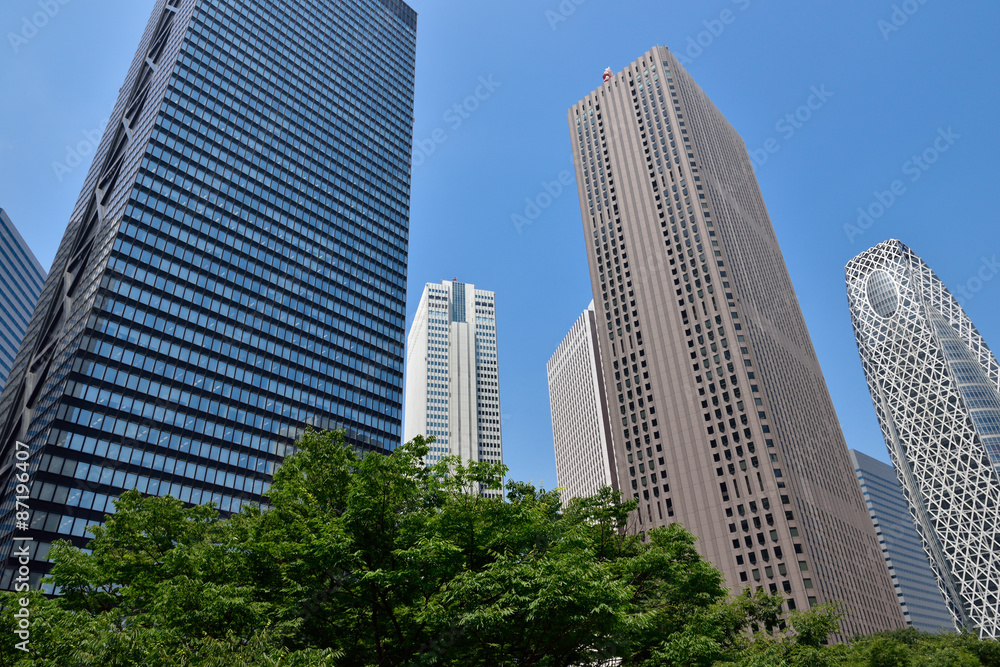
[(936, 389)]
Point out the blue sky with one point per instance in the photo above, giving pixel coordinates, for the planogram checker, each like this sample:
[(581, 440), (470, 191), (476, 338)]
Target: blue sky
[(896, 75)]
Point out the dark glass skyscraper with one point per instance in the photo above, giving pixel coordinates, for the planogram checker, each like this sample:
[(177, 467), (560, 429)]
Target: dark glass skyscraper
[(235, 268), (21, 278)]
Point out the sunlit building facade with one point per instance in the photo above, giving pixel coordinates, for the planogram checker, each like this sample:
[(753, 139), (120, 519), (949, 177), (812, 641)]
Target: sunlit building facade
[(453, 374), (936, 389), (581, 431), (721, 418)]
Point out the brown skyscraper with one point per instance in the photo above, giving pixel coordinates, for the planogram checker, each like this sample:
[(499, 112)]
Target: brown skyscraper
[(721, 419)]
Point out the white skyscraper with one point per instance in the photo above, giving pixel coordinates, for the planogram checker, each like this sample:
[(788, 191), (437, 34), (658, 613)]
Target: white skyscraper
[(935, 385), (452, 380), (585, 462)]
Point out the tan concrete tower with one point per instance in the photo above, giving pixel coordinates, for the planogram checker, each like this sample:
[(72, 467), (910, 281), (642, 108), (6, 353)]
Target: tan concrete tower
[(721, 418)]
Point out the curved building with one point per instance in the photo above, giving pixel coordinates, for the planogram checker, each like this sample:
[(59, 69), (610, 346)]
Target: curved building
[(934, 383)]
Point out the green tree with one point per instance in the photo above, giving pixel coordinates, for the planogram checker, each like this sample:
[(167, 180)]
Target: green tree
[(888, 652), (381, 560), (375, 560)]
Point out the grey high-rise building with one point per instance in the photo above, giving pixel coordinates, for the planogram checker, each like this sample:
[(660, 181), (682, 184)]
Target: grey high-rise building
[(719, 408), (453, 374), (909, 568), (21, 279), (936, 389), (234, 270), (581, 430)]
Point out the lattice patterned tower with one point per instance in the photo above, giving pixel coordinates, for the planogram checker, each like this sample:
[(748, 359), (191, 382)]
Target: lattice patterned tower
[(234, 269), (936, 389), (721, 418), (581, 430), (452, 374)]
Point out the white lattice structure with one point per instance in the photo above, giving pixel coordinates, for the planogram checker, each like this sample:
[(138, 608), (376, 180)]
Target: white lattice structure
[(936, 389)]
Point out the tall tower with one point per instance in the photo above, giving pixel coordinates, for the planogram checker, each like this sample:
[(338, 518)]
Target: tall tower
[(452, 374), (21, 279), (581, 430), (936, 389), (234, 270), (916, 587), (719, 407)]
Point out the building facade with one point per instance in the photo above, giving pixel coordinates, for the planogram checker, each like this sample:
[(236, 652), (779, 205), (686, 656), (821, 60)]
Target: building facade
[(452, 374), (234, 270), (936, 389), (21, 280), (581, 430), (909, 568), (721, 418)]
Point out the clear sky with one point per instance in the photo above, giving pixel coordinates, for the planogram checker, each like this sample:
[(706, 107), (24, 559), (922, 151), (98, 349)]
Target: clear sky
[(891, 88)]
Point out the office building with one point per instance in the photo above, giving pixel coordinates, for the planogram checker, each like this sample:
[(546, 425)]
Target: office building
[(452, 375), (909, 567), (581, 430), (721, 419), (21, 279), (934, 384), (235, 268)]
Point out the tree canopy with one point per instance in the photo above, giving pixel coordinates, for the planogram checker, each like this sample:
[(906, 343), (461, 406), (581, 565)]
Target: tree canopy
[(381, 560)]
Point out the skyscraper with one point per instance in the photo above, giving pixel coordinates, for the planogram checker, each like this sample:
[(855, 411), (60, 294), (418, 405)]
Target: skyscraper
[(452, 375), (581, 429), (235, 268), (934, 383), (21, 279), (910, 571), (719, 408)]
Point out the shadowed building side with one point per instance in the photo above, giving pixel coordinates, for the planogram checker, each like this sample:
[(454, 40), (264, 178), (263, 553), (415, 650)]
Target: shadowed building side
[(916, 587), (21, 280)]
